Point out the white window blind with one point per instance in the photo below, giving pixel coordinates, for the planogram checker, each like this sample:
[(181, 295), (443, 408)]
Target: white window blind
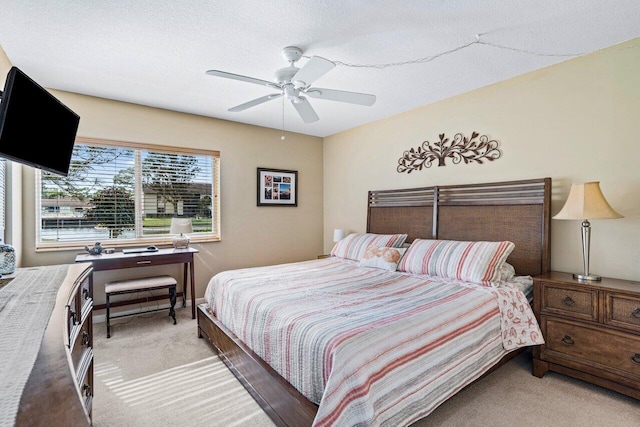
[(121, 193)]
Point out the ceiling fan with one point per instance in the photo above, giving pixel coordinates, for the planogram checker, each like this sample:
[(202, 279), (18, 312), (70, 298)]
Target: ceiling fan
[(292, 82)]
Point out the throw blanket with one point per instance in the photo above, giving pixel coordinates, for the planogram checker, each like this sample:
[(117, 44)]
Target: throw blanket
[(369, 346), (26, 304)]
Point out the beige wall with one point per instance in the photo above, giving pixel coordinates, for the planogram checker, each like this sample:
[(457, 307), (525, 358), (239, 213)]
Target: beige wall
[(574, 122), (251, 235)]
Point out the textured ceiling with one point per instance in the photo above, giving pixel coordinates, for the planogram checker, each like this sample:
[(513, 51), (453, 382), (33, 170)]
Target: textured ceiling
[(156, 52)]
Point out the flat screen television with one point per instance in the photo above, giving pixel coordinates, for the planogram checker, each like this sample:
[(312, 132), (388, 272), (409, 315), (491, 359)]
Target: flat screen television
[(36, 129)]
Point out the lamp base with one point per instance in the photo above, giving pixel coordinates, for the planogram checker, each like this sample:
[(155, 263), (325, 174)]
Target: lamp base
[(587, 277), (181, 242)]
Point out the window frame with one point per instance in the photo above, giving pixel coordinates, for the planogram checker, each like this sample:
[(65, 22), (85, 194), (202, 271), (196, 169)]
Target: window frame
[(164, 239)]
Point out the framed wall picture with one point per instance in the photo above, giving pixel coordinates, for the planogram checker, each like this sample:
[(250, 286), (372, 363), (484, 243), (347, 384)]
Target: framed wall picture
[(277, 187)]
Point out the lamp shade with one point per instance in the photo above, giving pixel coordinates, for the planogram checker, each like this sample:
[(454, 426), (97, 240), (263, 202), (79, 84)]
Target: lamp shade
[(586, 201), (338, 234), (180, 227)]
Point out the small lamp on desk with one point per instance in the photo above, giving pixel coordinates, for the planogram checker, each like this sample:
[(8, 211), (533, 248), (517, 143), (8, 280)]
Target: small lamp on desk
[(181, 227), (585, 202)]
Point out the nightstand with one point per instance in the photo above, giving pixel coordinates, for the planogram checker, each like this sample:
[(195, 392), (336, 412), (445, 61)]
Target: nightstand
[(324, 256), (591, 330)]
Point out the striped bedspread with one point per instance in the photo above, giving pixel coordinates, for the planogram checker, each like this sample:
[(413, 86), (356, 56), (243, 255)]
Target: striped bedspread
[(370, 347)]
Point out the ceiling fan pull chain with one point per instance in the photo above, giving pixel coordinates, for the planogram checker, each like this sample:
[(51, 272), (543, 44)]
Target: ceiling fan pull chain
[(282, 137)]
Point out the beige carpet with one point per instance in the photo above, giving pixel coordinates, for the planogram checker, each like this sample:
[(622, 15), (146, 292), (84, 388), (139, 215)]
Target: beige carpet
[(152, 373)]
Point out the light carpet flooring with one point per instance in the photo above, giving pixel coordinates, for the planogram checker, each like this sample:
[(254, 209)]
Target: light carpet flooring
[(153, 373)]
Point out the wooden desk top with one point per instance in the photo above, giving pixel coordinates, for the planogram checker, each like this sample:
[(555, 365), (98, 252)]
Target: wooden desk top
[(82, 257)]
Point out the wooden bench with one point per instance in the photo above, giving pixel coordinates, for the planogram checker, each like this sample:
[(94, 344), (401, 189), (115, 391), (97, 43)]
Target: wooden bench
[(120, 287)]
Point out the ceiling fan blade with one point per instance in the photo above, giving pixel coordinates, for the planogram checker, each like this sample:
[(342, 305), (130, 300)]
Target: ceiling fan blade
[(232, 76), (315, 68), (342, 96), (255, 102), (305, 109)]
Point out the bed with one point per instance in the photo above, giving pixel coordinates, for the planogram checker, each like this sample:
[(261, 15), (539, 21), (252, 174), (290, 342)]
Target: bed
[(377, 346)]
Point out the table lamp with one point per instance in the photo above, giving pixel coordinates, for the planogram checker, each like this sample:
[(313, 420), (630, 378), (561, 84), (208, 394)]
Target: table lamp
[(181, 227), (338, 234), (585, 202)]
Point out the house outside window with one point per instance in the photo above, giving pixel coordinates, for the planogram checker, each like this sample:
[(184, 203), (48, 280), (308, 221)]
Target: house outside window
[(123, 194)]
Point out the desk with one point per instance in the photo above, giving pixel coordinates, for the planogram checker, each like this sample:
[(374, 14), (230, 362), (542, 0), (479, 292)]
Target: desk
[(118, 260)]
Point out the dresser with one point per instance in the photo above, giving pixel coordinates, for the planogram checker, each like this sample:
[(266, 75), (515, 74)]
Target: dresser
[(591, 330), (59, 390)]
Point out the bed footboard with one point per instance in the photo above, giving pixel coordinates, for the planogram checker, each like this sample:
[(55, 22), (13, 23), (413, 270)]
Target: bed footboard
[(285, 405)]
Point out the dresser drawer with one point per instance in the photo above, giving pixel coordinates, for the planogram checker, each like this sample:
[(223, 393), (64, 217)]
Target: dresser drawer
[(82, 341), (611, 350), (73, 317), (86, 388), (622, 310), (571, 301), (85, 289)]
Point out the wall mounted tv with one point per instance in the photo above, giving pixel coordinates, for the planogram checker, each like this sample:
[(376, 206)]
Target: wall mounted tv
[(36, 129)]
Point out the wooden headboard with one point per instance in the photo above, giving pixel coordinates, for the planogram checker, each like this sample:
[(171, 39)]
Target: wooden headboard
[(517, 211)]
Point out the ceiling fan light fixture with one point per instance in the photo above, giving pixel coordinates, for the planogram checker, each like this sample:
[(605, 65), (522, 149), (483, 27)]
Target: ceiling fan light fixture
[(290, 91)]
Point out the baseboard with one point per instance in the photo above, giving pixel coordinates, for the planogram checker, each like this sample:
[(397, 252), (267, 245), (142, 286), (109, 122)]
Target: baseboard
[(101, 318)]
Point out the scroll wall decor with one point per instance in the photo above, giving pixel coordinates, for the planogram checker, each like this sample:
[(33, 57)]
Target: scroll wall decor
[(459, 149)]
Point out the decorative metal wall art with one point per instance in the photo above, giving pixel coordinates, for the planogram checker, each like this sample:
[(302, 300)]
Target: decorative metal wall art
[(459, 149)]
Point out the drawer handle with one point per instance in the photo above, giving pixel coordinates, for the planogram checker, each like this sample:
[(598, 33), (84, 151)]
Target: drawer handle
[(636, 358), (87, 390), (567, 340), (74, 317), (568, 301), (85, 293), (636, 313), (85, 338), (143, 262)]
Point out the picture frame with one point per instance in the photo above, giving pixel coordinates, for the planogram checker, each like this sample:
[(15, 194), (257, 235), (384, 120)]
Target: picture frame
[(277, 187)]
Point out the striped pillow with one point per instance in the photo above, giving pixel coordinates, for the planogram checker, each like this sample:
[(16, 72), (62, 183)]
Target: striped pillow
[(476, 262), (354, 245)]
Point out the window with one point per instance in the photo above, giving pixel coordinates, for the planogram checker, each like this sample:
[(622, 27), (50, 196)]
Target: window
[(121, 194)]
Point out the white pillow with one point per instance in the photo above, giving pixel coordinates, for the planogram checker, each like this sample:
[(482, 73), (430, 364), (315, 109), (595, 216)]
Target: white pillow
[(382, 257), (507, 272)]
